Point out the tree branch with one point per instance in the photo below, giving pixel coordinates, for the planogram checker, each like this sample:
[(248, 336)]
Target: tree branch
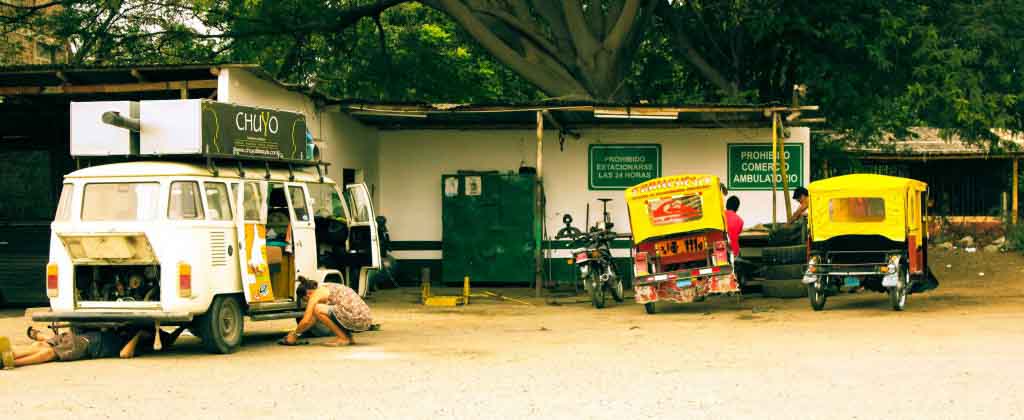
[(539, 69), (553, 16), (584, 40), (624, 26), (683, 45), (524, 29)]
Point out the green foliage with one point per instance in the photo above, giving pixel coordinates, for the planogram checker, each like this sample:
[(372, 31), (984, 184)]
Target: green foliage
[(873, 65), (420, 55)]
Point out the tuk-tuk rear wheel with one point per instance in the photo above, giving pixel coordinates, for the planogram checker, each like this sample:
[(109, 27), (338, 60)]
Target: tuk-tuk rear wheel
[(649, 307), (898, 294)]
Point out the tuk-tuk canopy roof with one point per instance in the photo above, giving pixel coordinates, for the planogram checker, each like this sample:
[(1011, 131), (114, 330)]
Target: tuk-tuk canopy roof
[(865, 183), (661, 207), (866, 204)]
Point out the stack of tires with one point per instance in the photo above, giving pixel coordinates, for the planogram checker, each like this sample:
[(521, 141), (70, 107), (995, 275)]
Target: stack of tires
[(784, 271)]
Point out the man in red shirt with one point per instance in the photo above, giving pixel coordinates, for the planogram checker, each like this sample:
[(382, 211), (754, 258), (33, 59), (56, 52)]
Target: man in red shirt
[(733, 223)]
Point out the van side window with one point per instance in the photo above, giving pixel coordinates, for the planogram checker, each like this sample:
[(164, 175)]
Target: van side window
[(325, 201), (217, 201), (64, 205), (298, 203), (359, 209), (184, 202), (252, 200)]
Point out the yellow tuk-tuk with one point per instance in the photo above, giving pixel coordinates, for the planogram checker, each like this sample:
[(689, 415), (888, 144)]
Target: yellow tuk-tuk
[(681, 250), (868, 231)]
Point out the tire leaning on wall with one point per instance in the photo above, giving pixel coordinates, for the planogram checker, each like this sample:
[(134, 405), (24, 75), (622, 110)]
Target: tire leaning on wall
[(785, 289), (790, 254), (784, 271)]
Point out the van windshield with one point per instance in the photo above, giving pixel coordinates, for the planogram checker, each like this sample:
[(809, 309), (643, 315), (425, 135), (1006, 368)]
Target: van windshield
[(121, 201)]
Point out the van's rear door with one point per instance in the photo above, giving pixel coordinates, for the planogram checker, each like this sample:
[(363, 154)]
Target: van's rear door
[(363, 218), (108, 248), (251, 222)]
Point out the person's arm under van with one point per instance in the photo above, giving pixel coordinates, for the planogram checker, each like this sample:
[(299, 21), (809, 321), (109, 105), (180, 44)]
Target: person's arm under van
[(309, 317)]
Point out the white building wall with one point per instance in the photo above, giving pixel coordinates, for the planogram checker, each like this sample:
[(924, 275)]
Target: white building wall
[(343, 141), (412, 162)]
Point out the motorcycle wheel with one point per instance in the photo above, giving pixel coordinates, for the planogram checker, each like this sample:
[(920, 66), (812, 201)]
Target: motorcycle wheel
[(596, 291), (616, 289)]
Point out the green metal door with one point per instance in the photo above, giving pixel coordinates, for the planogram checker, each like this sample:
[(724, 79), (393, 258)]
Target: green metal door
[(488, 228)]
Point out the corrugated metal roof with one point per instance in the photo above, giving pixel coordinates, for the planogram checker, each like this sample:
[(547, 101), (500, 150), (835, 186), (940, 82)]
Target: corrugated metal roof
[(559, 113), (929, 143)]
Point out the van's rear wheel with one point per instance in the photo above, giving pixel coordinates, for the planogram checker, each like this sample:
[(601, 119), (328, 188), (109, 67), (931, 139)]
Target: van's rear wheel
[(222, 326)]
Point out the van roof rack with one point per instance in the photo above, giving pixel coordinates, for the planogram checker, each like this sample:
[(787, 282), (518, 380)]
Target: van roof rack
[(192, 130)]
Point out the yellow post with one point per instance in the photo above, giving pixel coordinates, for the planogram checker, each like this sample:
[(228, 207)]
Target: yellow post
[(465, 290), (775, 163), (785, 173), (1013, 216), (6, 353), (538, 208), (425, 284)]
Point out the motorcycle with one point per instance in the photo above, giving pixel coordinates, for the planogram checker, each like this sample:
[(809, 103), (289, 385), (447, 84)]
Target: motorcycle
[(592, 256)]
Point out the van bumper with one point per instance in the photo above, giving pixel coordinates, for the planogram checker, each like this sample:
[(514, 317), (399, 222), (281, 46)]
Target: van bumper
[(111, 317)]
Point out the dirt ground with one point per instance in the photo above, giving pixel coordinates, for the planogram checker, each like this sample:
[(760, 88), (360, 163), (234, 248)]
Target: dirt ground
[(955, 353)]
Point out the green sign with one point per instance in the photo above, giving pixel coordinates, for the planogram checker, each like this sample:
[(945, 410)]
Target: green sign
[(233, 130), (620, 166), (750, 166)]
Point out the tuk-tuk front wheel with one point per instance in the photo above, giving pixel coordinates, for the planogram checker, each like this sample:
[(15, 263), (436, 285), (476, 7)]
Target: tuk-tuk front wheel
[(816, 294), (649, 307), (898, 293), (221, 327)]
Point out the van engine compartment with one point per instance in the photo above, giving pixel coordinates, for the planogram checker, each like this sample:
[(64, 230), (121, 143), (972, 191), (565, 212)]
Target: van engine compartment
[(118, 283)]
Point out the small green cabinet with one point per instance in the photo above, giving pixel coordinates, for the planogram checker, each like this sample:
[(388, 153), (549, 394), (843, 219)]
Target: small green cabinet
[(488, 230)]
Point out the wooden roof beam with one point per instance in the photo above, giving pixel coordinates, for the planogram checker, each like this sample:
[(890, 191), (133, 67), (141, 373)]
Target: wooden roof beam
[(108, 88)]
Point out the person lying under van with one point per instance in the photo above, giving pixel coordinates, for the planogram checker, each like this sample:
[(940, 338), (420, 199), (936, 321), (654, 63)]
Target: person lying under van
[(335, 305), (106, 343)]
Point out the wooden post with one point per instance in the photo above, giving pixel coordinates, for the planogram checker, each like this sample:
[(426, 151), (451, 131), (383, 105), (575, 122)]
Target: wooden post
[(785, 173), (539, 207), (775, 167), (1013, 216)]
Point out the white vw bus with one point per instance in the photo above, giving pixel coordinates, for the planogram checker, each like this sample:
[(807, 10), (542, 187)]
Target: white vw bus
[(180, 243)]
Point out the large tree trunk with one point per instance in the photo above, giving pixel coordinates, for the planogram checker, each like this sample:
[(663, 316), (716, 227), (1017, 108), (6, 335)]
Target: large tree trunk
[(570, 49)]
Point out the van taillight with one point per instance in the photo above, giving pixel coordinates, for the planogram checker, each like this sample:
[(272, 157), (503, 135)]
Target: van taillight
[(184, 280), (52, 282), (640, 267)]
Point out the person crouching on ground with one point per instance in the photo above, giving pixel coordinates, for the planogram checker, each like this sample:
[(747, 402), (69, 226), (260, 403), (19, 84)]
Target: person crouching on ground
[(336, 306)]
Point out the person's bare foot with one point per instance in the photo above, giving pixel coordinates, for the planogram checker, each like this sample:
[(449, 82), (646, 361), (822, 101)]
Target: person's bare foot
[(339, 343)]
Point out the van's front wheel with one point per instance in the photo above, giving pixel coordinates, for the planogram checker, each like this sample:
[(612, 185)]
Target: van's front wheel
[(221, 327)]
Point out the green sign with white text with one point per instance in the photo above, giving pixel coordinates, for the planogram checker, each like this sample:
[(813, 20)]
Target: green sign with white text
[(620, 166), (750, 166)]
